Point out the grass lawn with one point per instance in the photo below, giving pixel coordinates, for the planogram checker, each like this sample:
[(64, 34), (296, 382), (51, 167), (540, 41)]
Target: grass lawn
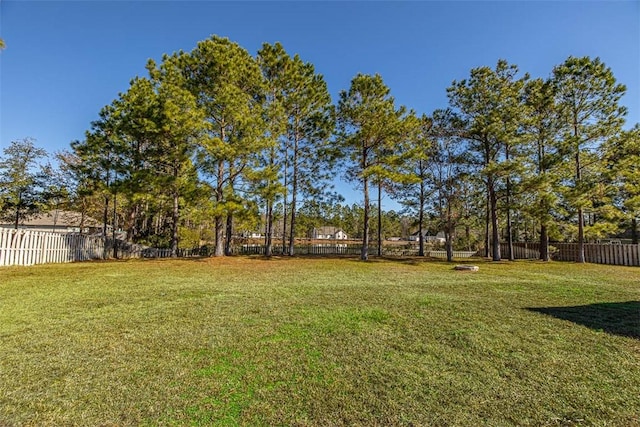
[(249, 341)]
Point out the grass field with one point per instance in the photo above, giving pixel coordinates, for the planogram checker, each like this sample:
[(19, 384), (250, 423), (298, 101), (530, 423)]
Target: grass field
[(249, 341)]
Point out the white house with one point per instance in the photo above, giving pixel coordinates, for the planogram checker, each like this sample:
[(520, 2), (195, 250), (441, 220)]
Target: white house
[(329, 233), (252, 235), (438, 238)]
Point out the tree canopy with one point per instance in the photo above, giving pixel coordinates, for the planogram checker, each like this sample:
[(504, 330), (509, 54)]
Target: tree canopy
[(216, 144)]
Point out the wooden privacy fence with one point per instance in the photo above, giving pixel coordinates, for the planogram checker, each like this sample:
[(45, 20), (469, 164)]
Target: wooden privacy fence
[(27, 247), (600, 253), (597, 253)]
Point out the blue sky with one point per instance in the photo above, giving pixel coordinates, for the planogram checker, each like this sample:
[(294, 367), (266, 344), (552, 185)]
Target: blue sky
[(67, 59)]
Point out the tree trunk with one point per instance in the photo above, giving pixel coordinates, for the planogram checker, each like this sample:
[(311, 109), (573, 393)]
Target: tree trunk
[(544, 243), (509, 228), (467, 236), (268, 235), (228, 235), (421, 221), (219, 219), (175, 215), (487, 223), (364, 253), (495, 232), (284, 204), (105, 218), (17, 217), (114, 223), (634, 231), (132, 223), (380, 218), (580, 257), (448, 244), (294, 194)]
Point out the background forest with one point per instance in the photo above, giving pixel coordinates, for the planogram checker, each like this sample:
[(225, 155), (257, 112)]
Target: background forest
[(215, 144)]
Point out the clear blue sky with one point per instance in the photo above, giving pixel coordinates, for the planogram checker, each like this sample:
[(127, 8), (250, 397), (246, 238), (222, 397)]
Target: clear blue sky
[(67, 59)]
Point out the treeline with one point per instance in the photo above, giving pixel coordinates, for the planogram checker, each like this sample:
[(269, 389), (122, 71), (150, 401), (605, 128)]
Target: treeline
[(215, 141)]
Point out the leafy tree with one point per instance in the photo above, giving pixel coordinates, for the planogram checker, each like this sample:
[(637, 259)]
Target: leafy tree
[(622, 158), (78, 185), (414, 190), (227, 84), (267, 181), (303, 115), (588, 95), (389, 157), (541, 128), (23, 181), (367, 123), (447, 173), (489, 103), (96, 158), (178, 124)]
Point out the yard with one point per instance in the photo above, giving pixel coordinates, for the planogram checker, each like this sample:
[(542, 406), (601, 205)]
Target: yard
[(317, 341)]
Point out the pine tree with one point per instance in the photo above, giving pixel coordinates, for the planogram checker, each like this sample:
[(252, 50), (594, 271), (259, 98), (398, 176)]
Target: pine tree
[(541, 129), (368, 122), (622, 159), (303, 113), (588, 95), (179, 124), (414, 190), (489, 104), (227, 84)]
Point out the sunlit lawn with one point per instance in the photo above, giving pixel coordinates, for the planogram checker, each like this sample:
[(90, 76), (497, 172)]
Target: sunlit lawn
[(249, 341)]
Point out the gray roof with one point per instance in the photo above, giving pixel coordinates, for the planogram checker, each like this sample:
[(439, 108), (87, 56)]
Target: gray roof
[(61, 218), (328, 230)]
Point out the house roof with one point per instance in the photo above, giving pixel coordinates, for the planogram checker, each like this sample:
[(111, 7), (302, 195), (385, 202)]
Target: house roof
[(60, 218), (440, 234), (328, 230)]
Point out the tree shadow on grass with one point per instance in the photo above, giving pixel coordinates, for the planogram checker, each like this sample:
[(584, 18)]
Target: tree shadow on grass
[(619, 318)]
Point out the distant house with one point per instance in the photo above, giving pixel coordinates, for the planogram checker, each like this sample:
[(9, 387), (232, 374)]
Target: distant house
[(329, 233), (252, 235), (438, 238), (61, 222)]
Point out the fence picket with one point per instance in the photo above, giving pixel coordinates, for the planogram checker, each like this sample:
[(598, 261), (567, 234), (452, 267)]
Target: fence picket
[(27, 247)]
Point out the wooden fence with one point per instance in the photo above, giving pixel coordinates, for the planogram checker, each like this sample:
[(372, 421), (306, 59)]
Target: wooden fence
[(27, 247), (456, 254), (600, 253), (597, 253)]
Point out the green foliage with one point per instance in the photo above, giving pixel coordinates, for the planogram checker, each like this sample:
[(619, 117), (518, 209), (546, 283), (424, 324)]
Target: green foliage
[(301, 120), (228, 86), (369, 128), (489, 103), (588, 97), (24, 190), (247, 141)]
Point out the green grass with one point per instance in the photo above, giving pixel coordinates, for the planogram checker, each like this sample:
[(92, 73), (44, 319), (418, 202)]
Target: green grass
[(249, 341)]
